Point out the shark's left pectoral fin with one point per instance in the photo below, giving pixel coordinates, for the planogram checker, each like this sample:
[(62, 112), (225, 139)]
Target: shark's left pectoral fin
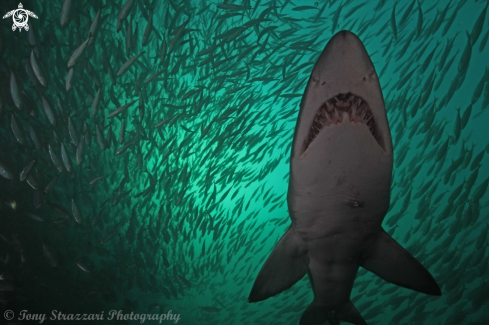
[(387, 259), (287, 264)]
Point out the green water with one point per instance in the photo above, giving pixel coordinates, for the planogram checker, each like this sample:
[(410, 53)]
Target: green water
[(194, 174)]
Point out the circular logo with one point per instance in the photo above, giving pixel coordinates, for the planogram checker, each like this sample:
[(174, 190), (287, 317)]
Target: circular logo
[(8, 314), (20, 18)]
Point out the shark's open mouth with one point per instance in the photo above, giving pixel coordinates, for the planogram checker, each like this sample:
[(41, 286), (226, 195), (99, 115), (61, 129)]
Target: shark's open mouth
[(332, 112)]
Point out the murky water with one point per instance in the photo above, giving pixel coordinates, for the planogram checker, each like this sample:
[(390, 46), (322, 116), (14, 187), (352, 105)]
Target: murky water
[(145, 149)]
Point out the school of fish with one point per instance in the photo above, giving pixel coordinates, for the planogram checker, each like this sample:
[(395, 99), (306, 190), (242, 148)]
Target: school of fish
[(145, 151)]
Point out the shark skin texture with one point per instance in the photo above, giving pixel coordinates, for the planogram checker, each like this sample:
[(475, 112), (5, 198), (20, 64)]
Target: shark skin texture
[(339, 192)]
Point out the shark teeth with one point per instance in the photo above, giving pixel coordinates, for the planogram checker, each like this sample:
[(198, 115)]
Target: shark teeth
[(332, 112)]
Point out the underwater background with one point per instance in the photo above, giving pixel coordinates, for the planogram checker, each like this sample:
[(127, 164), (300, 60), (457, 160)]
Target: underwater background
[(144, 154)]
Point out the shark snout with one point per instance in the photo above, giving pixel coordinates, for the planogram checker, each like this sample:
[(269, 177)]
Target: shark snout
[(343, 79)]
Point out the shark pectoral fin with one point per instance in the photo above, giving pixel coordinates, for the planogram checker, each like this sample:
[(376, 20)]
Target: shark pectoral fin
[(318, 313), (388, 260), (287, 264)]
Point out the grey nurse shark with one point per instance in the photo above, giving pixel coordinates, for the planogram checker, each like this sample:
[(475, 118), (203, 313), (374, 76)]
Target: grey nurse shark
[(339, 192)]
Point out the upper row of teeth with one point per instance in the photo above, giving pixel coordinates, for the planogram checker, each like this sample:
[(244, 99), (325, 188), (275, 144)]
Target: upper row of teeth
[(358, 101), (353, 112)]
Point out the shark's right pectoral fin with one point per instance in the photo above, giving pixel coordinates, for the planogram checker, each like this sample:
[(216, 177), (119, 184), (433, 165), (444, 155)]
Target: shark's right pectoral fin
[(287, 264), (387, 259)]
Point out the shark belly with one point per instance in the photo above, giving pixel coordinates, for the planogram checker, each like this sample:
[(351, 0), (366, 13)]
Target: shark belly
[(335, 256), (332, 271)]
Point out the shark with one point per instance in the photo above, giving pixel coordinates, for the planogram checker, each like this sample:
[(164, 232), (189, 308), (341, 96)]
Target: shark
[(339, 192)]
